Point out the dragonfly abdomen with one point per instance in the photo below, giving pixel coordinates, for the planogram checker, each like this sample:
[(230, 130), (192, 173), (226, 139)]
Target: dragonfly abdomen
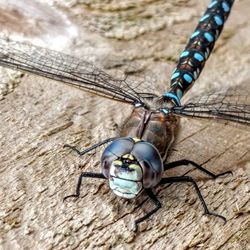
[(198, 49)]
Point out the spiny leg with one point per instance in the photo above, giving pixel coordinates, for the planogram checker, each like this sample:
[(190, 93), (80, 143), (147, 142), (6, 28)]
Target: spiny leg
[(185, 162), (191, 180), (90, 148), (78, 186), (157, 203)]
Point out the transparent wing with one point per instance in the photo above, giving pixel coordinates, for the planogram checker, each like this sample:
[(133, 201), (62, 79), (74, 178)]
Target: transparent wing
[(142, 80), (232, 105), (70, 70)]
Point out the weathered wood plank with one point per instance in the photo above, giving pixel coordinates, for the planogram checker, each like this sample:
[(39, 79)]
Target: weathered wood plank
[(40, 116)]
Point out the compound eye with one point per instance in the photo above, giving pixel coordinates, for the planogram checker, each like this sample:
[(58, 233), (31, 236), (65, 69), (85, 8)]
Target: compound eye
[(146, 152)]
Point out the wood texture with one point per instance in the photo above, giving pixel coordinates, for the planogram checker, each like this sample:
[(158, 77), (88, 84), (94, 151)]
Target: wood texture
[(40, 116)]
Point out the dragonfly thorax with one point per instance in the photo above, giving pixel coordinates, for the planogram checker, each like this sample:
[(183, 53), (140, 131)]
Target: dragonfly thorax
[(131, 165), (157, 127)]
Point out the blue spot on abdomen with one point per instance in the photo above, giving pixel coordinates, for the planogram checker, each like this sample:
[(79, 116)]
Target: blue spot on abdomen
[(196, 33), (209, 37), (204, 17), (188, 78), (211, 5), (184, 53), (198, 57), (176, 74), (225, 7), (218, 20)]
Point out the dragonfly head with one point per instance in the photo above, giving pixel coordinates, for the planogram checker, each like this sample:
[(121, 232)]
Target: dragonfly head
[(125, 177), (131, 165)]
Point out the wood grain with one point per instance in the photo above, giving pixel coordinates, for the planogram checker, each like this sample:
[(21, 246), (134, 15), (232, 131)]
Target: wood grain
[(41, 115)]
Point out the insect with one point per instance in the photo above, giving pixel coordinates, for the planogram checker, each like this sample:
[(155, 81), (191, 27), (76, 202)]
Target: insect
[(134, 160)]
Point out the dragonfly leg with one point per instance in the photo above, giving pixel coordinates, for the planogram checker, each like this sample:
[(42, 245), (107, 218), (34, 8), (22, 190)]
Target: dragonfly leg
[(90, 148), (191, 180), (78, 186), (157, 203), (185, 162)]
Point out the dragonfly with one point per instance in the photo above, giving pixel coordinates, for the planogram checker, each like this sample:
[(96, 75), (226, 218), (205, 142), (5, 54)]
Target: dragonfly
[(134, 161)]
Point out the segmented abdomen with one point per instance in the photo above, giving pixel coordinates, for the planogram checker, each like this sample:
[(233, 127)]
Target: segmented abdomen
[(198, 49)]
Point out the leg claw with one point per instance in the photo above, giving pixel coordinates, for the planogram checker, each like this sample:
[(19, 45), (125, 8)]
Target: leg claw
[(217, 215), (225, 173), (69, 196), (135, 228)]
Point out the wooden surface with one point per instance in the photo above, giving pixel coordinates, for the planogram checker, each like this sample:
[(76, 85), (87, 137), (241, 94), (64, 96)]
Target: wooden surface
[(41, 115)]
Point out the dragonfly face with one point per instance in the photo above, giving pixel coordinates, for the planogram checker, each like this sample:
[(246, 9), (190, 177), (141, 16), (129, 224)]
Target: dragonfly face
[(131, 165), (125, 177)]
